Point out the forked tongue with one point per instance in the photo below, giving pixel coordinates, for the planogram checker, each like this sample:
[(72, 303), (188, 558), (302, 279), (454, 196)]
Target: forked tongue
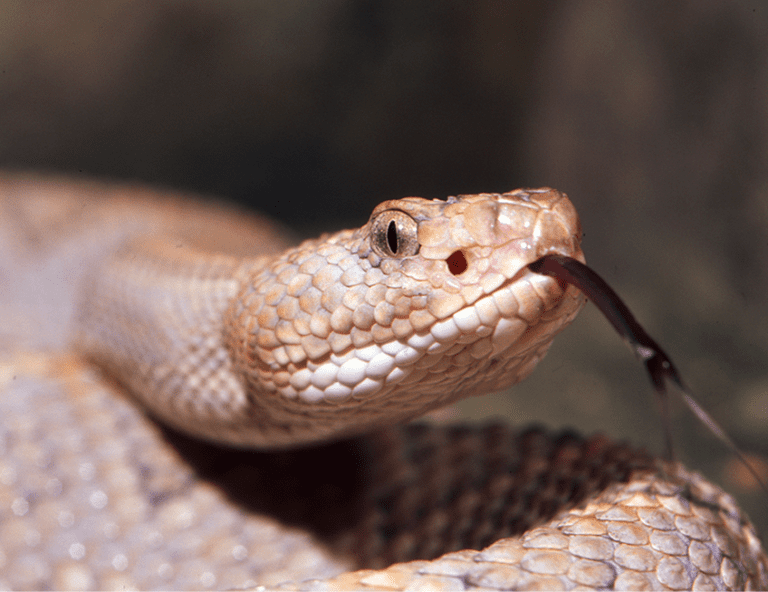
[(657, 363)]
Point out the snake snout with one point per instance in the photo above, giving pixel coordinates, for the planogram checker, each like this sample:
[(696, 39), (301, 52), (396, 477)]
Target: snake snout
[(557, 232)]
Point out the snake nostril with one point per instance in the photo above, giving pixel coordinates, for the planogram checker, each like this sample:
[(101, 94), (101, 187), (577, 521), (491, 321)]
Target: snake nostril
[(457, 263)]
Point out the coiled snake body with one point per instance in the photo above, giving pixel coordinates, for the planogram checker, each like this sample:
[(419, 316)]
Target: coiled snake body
[(230, 335)]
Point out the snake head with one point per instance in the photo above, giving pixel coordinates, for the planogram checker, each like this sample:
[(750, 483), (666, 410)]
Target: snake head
[(428, 302)]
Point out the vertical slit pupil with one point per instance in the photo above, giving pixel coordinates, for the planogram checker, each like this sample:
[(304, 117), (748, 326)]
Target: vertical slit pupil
[(392, 237)]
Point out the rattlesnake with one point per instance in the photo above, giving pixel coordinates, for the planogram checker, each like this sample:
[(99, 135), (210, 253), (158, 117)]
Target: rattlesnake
[(232, 335)]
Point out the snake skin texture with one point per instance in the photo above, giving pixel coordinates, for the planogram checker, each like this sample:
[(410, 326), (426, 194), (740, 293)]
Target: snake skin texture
[(117, 296)]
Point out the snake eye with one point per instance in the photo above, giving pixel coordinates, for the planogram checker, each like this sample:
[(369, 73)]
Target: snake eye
[(394, 234)]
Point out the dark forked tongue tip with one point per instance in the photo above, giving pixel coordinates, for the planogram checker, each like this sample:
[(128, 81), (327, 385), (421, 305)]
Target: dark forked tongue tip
[(657, 363)]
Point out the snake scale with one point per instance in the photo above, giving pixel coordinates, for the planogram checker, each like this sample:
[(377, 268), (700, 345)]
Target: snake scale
[(285, 373)]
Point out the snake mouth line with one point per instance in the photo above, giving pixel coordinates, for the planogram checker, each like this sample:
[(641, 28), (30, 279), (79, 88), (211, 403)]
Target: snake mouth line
[(458, 255)]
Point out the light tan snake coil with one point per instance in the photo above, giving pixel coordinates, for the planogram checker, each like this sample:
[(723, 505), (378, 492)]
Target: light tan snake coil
[(223, 331)]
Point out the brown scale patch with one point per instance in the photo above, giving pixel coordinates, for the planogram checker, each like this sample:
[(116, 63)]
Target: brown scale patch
[(419, 491)]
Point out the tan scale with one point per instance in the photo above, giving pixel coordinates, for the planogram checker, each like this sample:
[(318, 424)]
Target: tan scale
[(222, 330)]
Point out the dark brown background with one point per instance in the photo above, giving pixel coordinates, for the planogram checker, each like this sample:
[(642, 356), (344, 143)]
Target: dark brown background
[(651, 115)]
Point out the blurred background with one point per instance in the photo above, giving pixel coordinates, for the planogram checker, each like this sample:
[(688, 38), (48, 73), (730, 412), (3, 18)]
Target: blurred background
[(652, 115)]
